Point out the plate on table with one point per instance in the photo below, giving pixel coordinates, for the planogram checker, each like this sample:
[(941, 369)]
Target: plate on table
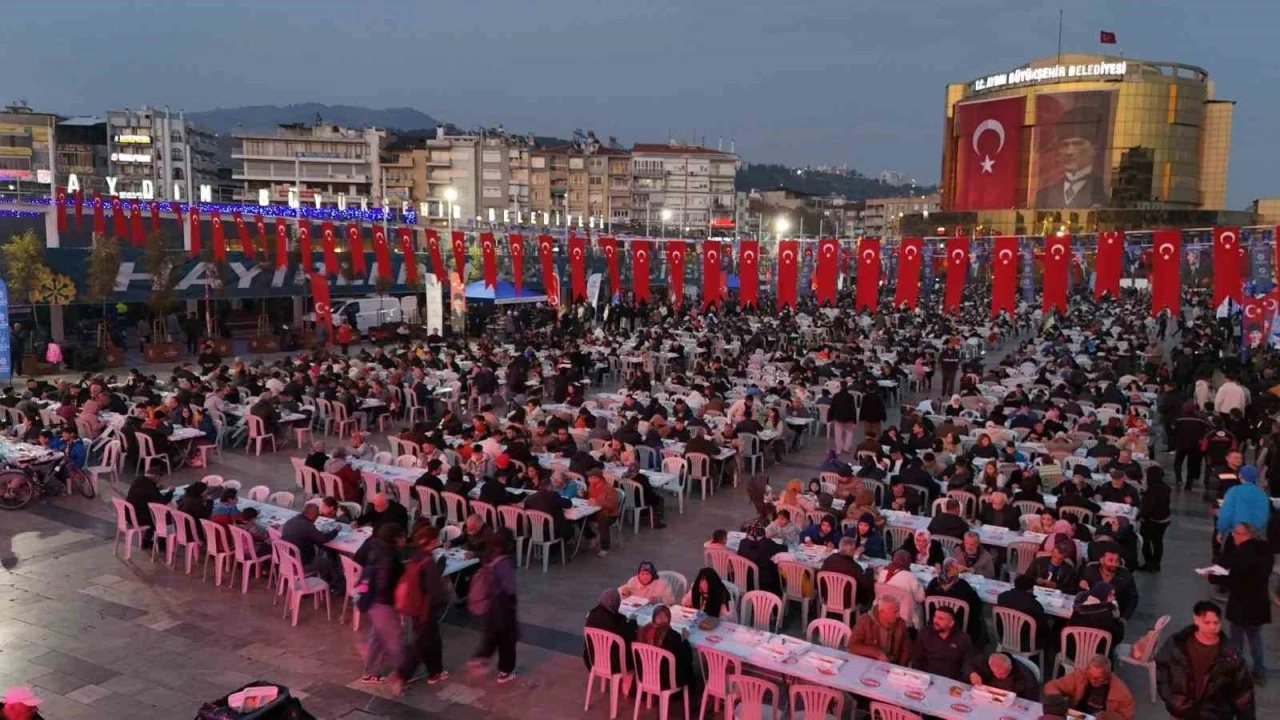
[(713, 639), (916, 695), (870, 682), (826, 670), (961, 707)]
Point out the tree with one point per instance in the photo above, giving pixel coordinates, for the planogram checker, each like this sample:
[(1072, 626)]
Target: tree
[(22, 264), (159, 262), (104, 266)]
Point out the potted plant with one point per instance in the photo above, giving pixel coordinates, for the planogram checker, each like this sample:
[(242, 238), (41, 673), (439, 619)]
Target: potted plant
[(25, 272), (160, 262)]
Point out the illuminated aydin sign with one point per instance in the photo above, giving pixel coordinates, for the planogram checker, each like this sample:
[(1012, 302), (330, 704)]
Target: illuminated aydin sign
[(1051, 73)]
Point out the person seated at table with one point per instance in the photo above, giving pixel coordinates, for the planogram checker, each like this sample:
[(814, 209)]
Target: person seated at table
[(248, 521), (759, 549), (88, 416), (793, 496), (332, 509), (567, 487), (659, 633), (948, 583), (881, 634), (382, 510), (867, 538), (265, 409), (898, 574), (1022, 597), (602, 495), (459, 482), (949, 522), (902, 498), (719, 537), (701, 443), (984, 449), (474, 537), (1115, 534), (844, 562), (941, 648), (348, 477), (226, 511), (203, 421), (1064, 533), (563, 445), (1002, 672), (1118, 489), (709, 595), (998, 512), (1094, 690), (648, 585), (195, 501), (864, 503), (782, 529), (973, 557), (1011, 454), (143, 490), (547, 499), (824, 533), (301, 530), (581, 461), (1054, 570), (431, 478), (923, 549), (359, 449), (1108, 570), (606, 616)]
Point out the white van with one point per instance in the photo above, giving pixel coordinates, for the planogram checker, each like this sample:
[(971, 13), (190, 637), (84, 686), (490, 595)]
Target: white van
[(370, 312)]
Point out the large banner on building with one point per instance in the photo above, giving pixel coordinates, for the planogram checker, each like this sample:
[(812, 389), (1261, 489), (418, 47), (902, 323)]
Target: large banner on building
[(1069, 164), (989, 156)]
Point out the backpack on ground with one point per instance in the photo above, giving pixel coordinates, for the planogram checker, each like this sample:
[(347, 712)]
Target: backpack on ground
[(479, 596), (410, 599)]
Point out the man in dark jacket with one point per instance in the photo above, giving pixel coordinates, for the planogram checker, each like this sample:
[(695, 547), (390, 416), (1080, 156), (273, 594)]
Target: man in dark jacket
[(844, 562), (145, 490), (998, 670), (382, 569), (760, 550), (941, 648), (1248, 563), (427, 647), (872, 411), (606, 616), (301, 530), (842, 414), (949, 522), (381, 511), (1200, 675), (1022, 597), (548, 501)]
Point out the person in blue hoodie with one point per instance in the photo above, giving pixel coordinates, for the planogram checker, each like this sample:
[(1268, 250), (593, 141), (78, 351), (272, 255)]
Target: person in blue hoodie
[(1244, 503), (826, 532)]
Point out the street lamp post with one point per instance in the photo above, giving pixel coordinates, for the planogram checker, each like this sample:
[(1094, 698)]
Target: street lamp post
[(666, 215), (451, 197)]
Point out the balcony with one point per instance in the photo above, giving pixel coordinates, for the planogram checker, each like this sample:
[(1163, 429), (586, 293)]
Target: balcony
[(648, 172), (438, 160)]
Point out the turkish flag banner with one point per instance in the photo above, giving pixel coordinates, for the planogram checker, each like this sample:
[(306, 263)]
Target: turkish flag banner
[(1166, 271), (1004, 275), (194, 216), (788, 265), (100, 220), (545, 259), (118, 224), (79, 198), (825, 271), (410, 257), (60, 199), (1270, 307), (710, 272), (459, 254), (177, 213), (320, 296), (329, 244), (609, 246), (282, 244), (1057, 265), (260, 225), (989, 143), (1108, 265), (1227, 282), (516, 247), (868, 292), (749, 273), (242, 232), (910, 258), (640, 269), (488, 254), (219, 237), (437, 261), (355, 243), (382, 253), (957, 269), (155, 217), (304, 246), (676, 250), (1253, 312), (577, 268), (137, 235)]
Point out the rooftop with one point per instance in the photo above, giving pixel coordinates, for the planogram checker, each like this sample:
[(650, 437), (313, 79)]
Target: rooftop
[(677, 149)]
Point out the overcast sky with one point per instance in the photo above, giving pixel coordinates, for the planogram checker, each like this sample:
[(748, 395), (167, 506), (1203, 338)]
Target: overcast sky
[(803, 82)]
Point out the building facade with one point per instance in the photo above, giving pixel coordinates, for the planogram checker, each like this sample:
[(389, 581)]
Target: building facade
[(175, 156), (321, 158), (82, 151), (26, 151), (694, 184), (881, 217)]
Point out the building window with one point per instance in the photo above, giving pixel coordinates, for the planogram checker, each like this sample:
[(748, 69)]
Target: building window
[(575, 163)]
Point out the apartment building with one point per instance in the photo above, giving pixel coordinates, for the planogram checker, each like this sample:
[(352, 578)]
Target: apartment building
[(161, 147), (693, 183), (882, 215), (26, 149), (319, 158), (81, 147)]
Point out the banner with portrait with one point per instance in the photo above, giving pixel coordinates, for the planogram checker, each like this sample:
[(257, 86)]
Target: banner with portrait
[(1069, 164)]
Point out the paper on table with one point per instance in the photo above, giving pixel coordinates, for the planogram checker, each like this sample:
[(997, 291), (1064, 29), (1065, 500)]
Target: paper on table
[(1212, 570)]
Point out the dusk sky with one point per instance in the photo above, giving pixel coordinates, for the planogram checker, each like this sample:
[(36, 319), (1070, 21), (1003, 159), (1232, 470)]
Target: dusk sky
[(811, 82)]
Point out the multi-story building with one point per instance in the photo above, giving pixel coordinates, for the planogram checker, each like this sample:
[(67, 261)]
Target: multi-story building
[(895, 178), (160, 147), (322, 159), (26, 148), (404, 171), (883, 215), (81, 144), (694, 184)]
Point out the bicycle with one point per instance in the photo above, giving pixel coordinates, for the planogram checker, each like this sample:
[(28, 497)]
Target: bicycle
[(20, 485)]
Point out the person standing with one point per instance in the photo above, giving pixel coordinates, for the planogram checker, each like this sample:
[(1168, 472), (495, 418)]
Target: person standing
[(1200, 675), (1249, 563), (1155, 516), (382, 569), (1189, 431), (433, 596), (949, 361), (493, 597), (842, 413)]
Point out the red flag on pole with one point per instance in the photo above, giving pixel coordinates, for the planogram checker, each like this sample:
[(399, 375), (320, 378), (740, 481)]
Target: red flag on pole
[(118, 224), (824, 273), (710, 272), (1004, 275), (330, 246), (100, 220), (177, 213), (910, 258), (868, 293), (1252, 312), (304, 246), (609, 246), (1108, 264), (261, 225), (489, 259), (410, 256), (545, 259), (577, 268), (1106, 37), (194, 216), (1270, 307), (282, 244), (459, 254), (989, 137), (382, 253), (1166, 271), (242, 232), (79, 197), (516, 244), (640, 268), (355, 243), (676, 250), (60, 199), (787, 268), (155, 217), (1057, 265), (1227, 282), (749, 273), (957, 269), (219, 236), (437, 262), (320, 296), (137, 234)]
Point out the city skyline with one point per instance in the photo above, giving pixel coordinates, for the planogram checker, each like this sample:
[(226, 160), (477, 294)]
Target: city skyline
[(799, 86)]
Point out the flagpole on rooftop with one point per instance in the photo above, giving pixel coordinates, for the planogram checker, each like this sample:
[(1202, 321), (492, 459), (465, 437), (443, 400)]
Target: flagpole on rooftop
[(1059, 36)]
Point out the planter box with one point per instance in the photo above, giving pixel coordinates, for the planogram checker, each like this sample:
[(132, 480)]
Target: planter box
[(264, 345), (113, 356), (163, 352), (32, 365)]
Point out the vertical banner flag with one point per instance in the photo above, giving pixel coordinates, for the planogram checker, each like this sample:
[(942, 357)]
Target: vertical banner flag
[(1166, 271), (609, 246), (576, 268), (1057, 265), (989, 142), (710, 272), (1252, 314), (282, 244), (788, 265), (957, 270), (176, 208), (137, 234), (459, 254), (640, 269), (382, 253), (1004, 275), (155, 217), (1108, 264), (489, 258), (516, 243), (6, 367), (825, 271), (99, 218), (1270, 308), (547, 262), (194, 215), (259, 224), (304, 245), (219, 236), (910, 258), (320, 296), (749, 273), (868, 291), (242, 232), (355, 243), (433, 248), (675, 269), (60, 199), (79, 208), (118, 224), (330, 246), (410, 257), (1226, 265)]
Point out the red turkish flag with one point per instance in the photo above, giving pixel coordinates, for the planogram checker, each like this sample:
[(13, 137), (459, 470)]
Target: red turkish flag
[(304, 246), (788, 265), (488, 253), (118, 224), (1227, 282), (957, 269), (553, 290), (355, 243), (711, 290), (100, 220), (437, 262), (1108, 264), (1004, 275), (219, 237), (577, 268), (79, 198), (1270, 307), (177, 213), (989, 142), (60, 199), (459, 254), (640, 268), (824, 274), (516, 244), (261, 225), (910, 258), (410, 257), (546, 259), (320, 296), (609, 246), (1057, 266), (137, 235), (282, 244), (330, 246), (194, 216), (749, 273), (242, 232), (676, 250), (382, 253), (1253, 313), (1166, 271), (868, 293), (155, 217)]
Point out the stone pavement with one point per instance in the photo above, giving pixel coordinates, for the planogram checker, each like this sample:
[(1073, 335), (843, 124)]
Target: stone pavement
[(103, 638)]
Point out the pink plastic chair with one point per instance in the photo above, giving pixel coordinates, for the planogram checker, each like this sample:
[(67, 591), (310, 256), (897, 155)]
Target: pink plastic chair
[(752, 699), (186, 534), (717, 667), (603, 647), (217, 546), (351, 574), (882, 711), (258, 435), (126, 525), (813, 702), (160, 516), (833, 588), (649, 679), (245, 558), (296, 584), (829, 633)]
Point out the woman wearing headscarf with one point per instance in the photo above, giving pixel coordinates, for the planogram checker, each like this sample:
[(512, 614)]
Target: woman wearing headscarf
[(1063, 536), (948, 583), (793, 496), (922, 549), (826, 532), (659, 633), (954, 407), (709, 595), (649, 585), (898, 574), (865, 504), (605, 616)]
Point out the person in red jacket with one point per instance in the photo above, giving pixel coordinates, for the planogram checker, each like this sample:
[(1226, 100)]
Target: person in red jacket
[(344, 336)]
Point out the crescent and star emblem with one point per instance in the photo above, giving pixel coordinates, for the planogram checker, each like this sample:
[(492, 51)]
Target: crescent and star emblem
[(321, 308), (577, 254), (1271, 304), (911, 251), (869, 256), (1006, 256), (957, 256), (515, 249), (788, 257), (713, 256), (1057, 251), (828, 250), (642, 255), (1227, 238), (749, 256), (677, 256), (1166, 250), (988, 165), (1252, 311), (608, 251)]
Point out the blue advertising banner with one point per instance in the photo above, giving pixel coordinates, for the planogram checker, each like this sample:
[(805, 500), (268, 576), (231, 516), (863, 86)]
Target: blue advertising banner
[(6, 362), (1026, 279), (926, 286)]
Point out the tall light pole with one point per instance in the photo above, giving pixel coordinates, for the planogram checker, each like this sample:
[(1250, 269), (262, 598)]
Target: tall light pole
[(666, 215), (451, 197), (781, 225)]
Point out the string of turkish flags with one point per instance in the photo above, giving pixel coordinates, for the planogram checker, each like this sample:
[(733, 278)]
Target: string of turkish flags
[(382, 253), (610, 247), (787, 268), (410, 258), (640, 269), (749, 273), (355, 243), (516, 243), (137, 236), (458, 239), (330, 248), (437, 262), (1057, 265), (219, 237), (824, 273)]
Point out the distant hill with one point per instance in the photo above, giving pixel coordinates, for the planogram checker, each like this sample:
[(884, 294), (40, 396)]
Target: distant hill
[(267, 117), (852, 186)]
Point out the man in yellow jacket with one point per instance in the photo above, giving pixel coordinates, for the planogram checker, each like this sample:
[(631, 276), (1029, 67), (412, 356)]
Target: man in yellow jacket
[(1093, 689)]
